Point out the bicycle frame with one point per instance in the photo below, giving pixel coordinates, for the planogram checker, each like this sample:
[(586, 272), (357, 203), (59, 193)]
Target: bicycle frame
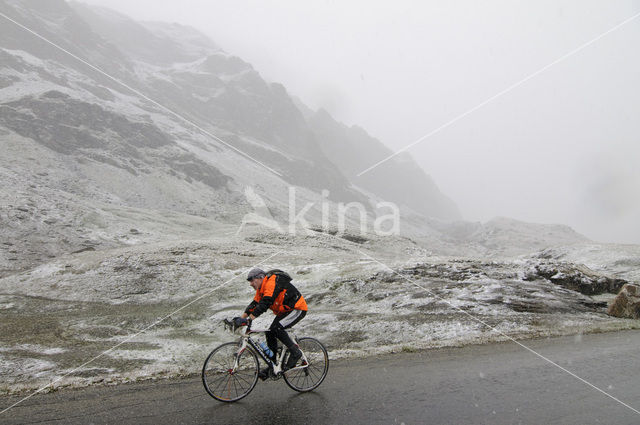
[(224, 362), (245, 336)]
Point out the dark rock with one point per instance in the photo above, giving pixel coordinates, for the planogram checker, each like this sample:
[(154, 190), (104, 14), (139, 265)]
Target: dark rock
[(576, 277), (198, 170), (85, 249), (65, 124), (355, 238), (627, 303)]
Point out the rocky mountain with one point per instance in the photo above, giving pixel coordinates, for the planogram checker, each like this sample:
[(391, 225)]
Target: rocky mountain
[(131, 155), (78, 135), (399, 179)]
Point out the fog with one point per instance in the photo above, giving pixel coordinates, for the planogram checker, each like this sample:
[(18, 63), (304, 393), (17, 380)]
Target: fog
[(563, 147)]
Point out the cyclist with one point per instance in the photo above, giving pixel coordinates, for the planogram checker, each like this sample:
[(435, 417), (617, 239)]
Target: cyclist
[(275, 291)]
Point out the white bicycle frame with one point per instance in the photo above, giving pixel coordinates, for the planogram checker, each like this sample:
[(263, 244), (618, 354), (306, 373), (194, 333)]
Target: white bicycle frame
[(277, 365)]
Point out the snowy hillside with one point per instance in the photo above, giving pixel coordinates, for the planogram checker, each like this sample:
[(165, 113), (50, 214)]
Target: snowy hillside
[(81, 304), (104, 143), (117, 210)]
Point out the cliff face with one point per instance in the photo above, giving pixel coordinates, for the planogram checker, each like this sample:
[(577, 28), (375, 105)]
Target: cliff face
[(399, 179), (185, 71), (72, 133)]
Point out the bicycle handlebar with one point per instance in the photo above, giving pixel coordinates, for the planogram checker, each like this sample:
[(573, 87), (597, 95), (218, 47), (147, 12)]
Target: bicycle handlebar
[(229, 324)]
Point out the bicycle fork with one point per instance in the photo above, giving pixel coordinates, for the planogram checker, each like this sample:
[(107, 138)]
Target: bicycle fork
[(237, 356)]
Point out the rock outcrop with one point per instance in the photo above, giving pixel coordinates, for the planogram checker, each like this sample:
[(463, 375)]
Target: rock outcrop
[(576, 277), (627, 303)]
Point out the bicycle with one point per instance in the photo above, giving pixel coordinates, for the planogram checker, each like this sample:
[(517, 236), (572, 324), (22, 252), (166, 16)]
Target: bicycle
[(231, 370)]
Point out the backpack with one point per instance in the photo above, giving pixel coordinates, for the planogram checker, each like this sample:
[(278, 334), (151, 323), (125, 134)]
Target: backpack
[(283, 282), (282, 277)]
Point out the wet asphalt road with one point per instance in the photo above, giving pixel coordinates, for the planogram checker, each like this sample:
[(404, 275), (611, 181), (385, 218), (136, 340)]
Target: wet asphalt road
[(490, 384)]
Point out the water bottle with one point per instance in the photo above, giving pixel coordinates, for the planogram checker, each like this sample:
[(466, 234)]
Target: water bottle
[(265, 348)]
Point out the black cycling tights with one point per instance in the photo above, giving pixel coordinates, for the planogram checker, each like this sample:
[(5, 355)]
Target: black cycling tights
[(278, 326)]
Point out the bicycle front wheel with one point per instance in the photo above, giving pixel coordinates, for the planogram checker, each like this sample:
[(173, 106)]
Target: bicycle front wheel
[(225, 381), (307, 378)]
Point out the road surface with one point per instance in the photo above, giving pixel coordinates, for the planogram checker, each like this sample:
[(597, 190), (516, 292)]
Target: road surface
[(489, 384)]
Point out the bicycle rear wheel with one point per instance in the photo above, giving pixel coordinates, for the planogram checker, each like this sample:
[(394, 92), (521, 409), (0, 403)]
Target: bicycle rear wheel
[(220, 379), (308, 378)]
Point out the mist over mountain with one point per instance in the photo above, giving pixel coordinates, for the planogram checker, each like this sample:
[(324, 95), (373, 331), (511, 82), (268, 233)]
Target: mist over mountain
[(72, 133), (122, 202), (85, 137)]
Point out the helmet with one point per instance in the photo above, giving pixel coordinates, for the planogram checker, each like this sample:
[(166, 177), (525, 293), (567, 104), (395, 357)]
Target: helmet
[(255, 272)]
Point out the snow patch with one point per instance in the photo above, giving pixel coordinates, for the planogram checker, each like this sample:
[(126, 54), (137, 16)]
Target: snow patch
[(34, 348)]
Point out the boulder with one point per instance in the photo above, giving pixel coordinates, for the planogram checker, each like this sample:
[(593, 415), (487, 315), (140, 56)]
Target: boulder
[(627, 303), (576, 277)]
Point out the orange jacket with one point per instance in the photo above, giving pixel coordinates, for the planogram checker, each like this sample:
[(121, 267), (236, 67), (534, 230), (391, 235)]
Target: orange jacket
[(280, 298)]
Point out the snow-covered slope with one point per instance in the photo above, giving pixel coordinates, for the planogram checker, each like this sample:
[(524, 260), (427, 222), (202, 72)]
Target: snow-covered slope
[(71, 134), (55, 316), (614, 259), (115, 212)]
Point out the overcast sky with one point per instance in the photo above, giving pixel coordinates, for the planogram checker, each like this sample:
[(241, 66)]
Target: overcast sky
[(564, 147)]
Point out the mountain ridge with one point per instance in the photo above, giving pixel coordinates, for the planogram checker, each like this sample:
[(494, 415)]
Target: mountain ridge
[(91, 141)]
